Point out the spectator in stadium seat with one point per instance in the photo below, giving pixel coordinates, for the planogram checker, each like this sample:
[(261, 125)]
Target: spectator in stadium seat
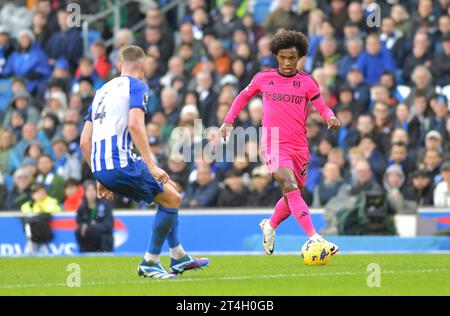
[(345, 116), (7, 140), (420, 55), (28, 61), (399, 156), (338, 15), (33, 152), (86, 70), (441, 62), (431, 162), (233, 193), (123, 38), (21, 102), (393, 40), (177, 168), (21, 191), (401, 18), (439, 105), (353, 48), (327, 53), (56, 104), (374, 156), (6, 47), (48, 177), (66, 43), (356, 15), (203, 192), (263, 190), (364, 180), (175, 69), (433, 141), (187, 37), (441, 195), (361, 91), (30, 134), (95, 222), (365, 126), (220, 57), (155, 19), (207, 98), (66, 165), (404, 120), (375, 60), (40, 201), (282, 17), (422, 83), (254, 31), (74, 194), (330, 185), (393, 182), (382, 119), (39, 28), (337, 156), (101, 62), (423, 15), (227, 22), (69, 133), (420, 189)]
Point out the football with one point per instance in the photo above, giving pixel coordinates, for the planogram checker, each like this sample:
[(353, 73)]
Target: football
[(316, 253)]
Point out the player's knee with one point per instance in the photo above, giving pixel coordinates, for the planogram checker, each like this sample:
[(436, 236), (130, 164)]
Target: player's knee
[(174, 200), (289, 185)]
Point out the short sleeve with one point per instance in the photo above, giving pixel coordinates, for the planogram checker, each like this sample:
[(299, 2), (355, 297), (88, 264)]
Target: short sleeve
[(88, 117), (138, 94)]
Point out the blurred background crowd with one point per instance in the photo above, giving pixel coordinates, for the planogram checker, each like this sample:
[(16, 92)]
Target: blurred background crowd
[(388, 83)]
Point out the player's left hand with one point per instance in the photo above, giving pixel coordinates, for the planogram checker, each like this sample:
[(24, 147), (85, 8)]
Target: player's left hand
[(104, 193), (333, 123)]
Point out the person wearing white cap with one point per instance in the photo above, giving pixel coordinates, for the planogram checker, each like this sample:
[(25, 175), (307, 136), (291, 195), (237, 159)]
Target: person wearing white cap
[(28, 61)]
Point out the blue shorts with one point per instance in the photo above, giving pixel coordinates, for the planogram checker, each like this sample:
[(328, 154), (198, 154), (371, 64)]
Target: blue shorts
[(134, 181)]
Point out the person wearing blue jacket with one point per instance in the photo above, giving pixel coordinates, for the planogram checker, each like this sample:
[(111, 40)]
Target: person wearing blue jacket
[(29, 61), (204, 191), (375, 60), (66, 43)]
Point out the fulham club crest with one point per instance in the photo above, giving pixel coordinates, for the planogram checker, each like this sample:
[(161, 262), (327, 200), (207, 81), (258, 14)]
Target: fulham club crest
[(296, 84)]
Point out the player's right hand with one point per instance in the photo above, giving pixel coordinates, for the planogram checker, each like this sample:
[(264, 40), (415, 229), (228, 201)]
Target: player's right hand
[(103, 192), (159, 174), (225, 130)]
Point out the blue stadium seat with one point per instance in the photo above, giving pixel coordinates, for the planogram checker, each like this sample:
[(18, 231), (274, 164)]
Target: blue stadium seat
[(5, 94)]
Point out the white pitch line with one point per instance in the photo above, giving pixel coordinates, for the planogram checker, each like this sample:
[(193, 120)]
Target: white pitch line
[(237, 278)]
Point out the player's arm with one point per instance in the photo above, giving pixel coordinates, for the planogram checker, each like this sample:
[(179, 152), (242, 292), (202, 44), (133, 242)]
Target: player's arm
[(238, 104), (136, 125), (319, 104), (86, 149), (86, 142)]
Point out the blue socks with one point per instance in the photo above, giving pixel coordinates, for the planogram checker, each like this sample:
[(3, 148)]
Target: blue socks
[(165, 222), (172, 237)]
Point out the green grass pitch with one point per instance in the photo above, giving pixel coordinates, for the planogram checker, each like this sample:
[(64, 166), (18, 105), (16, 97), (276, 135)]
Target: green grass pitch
[(232, 275)]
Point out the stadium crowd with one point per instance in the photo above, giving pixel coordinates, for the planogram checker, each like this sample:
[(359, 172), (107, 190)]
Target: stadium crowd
[(388, 84)]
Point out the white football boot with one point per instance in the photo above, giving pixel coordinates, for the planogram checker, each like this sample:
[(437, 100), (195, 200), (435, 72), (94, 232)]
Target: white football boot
[(269, 237)]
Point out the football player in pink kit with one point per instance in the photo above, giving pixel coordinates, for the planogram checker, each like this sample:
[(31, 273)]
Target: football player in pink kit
[(286, 93)]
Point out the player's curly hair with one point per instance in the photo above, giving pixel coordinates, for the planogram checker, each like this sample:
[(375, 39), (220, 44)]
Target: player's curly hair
[(289, 39)]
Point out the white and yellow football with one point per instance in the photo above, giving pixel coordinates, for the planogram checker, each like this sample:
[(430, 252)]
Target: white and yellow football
[(316, 252)]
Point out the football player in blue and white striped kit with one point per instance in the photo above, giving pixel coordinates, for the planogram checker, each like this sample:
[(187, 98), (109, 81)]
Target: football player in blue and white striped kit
[(114, 124)]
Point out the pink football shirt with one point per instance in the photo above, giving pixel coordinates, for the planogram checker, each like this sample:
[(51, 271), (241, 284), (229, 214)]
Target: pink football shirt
[(285, 104)]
